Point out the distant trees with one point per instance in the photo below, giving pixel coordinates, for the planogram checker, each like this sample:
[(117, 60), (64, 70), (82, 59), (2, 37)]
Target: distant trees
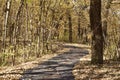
[(97, 33), (30, 28), (109, 15), (106, 14)]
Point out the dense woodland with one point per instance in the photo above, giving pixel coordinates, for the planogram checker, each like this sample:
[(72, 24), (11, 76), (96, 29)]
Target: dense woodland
[(32, 28)]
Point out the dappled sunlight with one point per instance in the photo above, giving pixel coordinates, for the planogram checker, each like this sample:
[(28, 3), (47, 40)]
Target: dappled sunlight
[(108, 71), (59, 40), (57, 68)]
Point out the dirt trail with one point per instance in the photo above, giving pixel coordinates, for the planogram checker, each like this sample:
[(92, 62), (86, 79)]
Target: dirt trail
[(58, 67)]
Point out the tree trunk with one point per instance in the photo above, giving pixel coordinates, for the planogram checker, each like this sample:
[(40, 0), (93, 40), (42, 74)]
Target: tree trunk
[(79, 26), (97, 34), (70, 27), (4, 34), (8, 4), (106, 13)]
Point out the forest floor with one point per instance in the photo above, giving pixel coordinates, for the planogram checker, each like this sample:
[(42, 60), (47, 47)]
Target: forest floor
[(83, 70), (70, 63)]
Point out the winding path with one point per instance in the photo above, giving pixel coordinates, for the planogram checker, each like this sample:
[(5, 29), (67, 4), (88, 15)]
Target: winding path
[(59, 67)]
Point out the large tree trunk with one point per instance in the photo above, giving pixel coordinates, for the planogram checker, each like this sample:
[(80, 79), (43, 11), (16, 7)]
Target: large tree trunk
[(97, 37)]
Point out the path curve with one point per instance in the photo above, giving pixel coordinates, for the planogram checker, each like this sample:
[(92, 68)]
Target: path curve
[(59, 67)]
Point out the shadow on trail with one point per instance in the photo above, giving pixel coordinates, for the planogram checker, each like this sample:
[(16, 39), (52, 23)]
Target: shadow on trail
[(57, 68)]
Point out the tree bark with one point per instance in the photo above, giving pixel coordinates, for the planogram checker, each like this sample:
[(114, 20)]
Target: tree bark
[(8, 4), (70, 27), (97, 33), (106, 13), (79, 26)]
